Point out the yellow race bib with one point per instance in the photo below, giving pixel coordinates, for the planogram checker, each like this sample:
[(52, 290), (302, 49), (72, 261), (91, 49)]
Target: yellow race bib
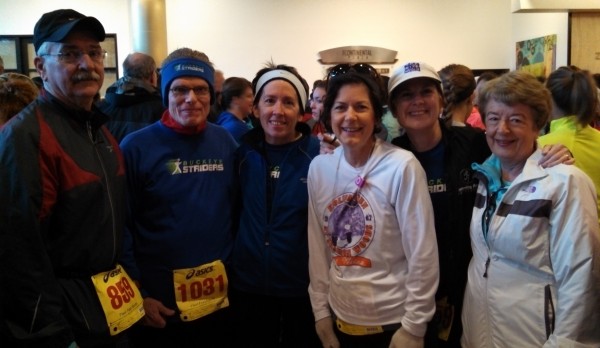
[(120, 299), (201, 290)]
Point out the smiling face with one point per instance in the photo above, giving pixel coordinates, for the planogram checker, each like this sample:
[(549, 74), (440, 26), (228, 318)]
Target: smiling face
[(353, 117), (189, 110), (417, 104), (77, 83), (510, 131), (278, 109)]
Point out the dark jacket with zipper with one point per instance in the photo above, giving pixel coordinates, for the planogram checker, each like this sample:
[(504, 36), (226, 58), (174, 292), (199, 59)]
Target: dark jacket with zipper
[(62, 194), (270, 255), (462, 147)]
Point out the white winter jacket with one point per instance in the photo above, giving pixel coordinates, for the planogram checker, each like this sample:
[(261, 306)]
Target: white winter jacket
[(535, 281)]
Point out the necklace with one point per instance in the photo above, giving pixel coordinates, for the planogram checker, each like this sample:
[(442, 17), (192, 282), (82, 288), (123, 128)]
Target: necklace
[(360, 179)]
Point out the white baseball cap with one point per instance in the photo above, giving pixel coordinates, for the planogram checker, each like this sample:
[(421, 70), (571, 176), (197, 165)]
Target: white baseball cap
[(411, 70)]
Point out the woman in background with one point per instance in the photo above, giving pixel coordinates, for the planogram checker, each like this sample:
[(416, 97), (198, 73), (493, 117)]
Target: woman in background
[(574, 105), (236, 100)]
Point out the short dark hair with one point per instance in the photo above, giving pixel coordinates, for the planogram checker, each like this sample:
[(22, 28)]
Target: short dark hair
[(233, 87), (335, 84)]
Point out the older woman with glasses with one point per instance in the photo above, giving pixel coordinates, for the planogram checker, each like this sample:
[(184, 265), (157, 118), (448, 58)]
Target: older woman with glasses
[(533, 280), (373, 256)]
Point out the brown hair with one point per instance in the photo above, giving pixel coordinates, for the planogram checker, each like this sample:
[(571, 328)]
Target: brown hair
[(16, 92), (574, 92), (518, 87)]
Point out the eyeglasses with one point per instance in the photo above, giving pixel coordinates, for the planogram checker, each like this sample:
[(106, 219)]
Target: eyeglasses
[(181, 91), (74, 56), (360, 68)]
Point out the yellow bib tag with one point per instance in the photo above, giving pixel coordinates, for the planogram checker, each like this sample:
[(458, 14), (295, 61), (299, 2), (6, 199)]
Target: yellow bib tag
[(357, 330), (120, 299), (201, 290), (445, 311)]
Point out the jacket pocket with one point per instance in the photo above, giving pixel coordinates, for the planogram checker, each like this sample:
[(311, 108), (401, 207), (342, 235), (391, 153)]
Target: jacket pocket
[(548, 311)]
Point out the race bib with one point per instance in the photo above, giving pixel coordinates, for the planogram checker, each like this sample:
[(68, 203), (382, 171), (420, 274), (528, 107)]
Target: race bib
[(120, 299), (201, 290)]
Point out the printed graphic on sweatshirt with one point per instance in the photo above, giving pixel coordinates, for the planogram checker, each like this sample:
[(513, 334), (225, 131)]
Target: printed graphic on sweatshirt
[(179, 166), (348, 228)]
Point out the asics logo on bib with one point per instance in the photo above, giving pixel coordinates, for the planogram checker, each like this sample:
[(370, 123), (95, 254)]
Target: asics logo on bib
[(199, 272), (111, 274)]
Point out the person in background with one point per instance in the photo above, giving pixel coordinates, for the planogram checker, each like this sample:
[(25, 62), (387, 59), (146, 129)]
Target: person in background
[(134, 101), (181, 196), (62, 188), (16, 92), (534, 278), (475, 118), (446, 153), (270, 256), (373, 256), (216, 108), (390, 123), (236, 101), (458, 85), (316, 106), (574, 106)]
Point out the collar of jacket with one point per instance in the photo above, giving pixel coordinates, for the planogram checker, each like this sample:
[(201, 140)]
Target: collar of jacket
[(96, 117), (256, 136)]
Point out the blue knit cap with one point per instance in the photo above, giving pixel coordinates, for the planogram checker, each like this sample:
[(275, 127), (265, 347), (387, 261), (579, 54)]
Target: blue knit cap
[(186, 67)]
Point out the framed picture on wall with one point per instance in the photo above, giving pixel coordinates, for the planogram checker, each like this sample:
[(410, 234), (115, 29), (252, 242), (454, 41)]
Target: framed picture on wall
[(9, 53)]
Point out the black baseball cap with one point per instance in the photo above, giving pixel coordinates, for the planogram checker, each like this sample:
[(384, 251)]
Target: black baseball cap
[(55, 26)]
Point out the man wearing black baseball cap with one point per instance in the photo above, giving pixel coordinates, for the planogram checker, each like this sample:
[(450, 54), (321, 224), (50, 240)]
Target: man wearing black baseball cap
[(63, 174)]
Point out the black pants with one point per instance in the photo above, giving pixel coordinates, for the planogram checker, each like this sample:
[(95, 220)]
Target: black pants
[(270, 321), (214, 330)]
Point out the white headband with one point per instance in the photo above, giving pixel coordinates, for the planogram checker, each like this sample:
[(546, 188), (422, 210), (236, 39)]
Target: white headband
[(286, 75)]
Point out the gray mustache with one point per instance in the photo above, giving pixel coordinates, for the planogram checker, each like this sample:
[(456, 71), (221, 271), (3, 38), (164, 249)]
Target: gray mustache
[(85, 76)]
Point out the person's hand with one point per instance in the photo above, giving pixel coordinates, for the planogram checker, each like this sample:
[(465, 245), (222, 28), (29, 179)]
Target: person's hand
[(155, 313), (404, 339), (555, 154), (324, 328), (328, 143)]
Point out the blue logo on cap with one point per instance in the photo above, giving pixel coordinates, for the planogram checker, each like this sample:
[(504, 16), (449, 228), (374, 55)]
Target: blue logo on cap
[(410, 67)]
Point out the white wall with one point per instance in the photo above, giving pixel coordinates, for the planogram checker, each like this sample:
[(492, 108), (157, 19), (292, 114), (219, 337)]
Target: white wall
[(240, 35)]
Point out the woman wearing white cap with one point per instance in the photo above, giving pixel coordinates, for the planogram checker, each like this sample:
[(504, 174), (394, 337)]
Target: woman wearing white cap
[(446, 154)]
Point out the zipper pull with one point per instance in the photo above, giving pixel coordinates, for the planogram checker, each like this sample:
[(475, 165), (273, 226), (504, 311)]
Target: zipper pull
[(487, 264)]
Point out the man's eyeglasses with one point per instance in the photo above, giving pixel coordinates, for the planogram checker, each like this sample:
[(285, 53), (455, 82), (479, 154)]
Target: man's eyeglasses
[(74, 56), (361, 68), (181, 91)]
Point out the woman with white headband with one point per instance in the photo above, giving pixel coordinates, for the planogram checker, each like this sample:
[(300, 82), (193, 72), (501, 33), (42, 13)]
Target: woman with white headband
[(270, 256)]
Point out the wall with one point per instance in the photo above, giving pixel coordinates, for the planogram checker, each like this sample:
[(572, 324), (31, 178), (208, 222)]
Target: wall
[(240, 35)]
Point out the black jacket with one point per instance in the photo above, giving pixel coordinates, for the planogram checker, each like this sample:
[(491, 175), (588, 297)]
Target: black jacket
[(130, 104), (62, 193), (462, 147)]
